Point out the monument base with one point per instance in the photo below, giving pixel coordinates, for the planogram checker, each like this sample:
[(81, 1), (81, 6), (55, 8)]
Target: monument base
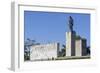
[(70, 43)]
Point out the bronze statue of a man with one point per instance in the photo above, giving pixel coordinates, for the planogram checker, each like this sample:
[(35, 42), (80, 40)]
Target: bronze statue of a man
[(70, 23)]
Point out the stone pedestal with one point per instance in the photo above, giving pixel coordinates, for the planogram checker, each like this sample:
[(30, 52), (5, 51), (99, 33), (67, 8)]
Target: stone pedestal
[(70, 43)]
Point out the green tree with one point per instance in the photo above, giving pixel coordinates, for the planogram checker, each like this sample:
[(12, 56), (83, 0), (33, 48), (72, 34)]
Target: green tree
[(27, 44)]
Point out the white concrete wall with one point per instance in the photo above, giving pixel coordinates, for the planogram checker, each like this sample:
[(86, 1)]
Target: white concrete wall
[(70, 43), (44, 51), (78, 48)]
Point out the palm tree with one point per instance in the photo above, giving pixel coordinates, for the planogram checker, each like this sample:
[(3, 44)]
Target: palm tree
[(63, 46), (27, 44), (62, 53), (88, 50)]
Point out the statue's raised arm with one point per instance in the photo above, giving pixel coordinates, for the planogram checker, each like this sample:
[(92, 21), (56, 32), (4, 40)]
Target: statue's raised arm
[(70, 23)]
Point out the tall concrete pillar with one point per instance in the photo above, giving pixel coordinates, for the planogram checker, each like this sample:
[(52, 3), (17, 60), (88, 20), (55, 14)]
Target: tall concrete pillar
[(70, 43), (81, 47)]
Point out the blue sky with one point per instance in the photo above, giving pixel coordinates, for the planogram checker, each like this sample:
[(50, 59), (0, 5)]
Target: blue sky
[(46, 27)]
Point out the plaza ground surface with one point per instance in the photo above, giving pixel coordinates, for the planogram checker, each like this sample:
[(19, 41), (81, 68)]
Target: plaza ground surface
[(62, 58), (72, 57)]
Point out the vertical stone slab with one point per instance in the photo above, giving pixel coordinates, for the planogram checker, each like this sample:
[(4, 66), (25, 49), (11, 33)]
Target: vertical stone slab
[(84, 47), (80, 47), (58, 49), (70, 43)]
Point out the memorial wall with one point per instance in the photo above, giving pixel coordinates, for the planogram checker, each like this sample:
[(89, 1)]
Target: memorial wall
[(44, 51)]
